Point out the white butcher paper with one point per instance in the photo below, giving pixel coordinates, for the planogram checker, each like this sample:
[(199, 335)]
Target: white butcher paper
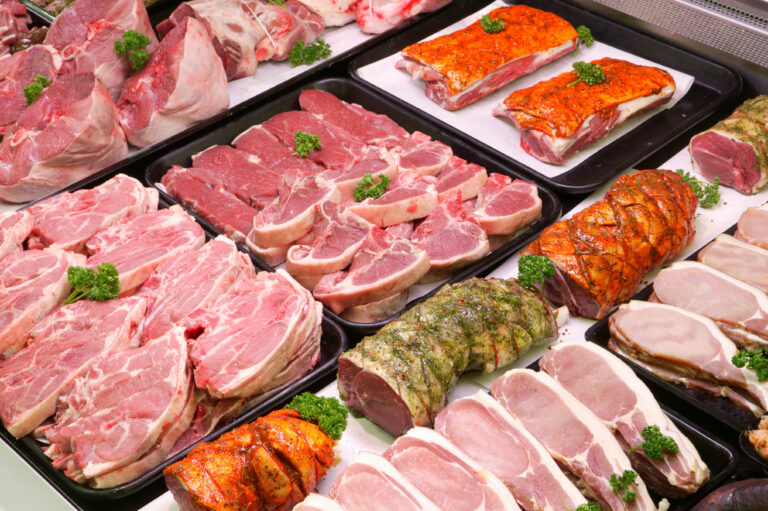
[(477, 121)]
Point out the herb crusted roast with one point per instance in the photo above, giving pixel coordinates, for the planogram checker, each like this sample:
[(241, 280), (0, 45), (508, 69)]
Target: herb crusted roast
[(602, 253)]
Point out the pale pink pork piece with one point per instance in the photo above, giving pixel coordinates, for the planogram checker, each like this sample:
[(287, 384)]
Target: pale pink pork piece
[(617, 396), (447, 475), (422, 155), (571, 433), (752, 226), (504, 206), (741, 260), (209, 412), (384, 266), (202, 191), (69, 132), (89, 29), (32, 283), (182, 83), (261, 333), (403, 230), (189, 282), (335, 13), (115, 412), (259, 142), (378, 16), (407, 198), (15, 227), (483, 429), (317, 502), (371, 483), (139, 244), (286, 25), (451, 239), (64, 345), (69, 219), (467, 178), (379, 310)]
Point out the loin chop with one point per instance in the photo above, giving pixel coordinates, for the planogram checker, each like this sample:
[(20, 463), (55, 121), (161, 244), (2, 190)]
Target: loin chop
[(467, 178), (408, 198), (741, 260), (379, 310), (422, 155), (504, 205), (259, 142)]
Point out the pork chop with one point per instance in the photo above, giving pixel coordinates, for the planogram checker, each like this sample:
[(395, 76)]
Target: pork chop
[(408, 198), (468, 178), (422, 155), (741, 260), (504, 206), (258, 141), (752, 226)]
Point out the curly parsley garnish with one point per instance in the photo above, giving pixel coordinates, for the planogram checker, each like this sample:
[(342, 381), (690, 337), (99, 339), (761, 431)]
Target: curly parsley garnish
[(492, 26), (585, 36), (326, 412), (367, 188), (622, 482), (100, 285), (656, 444), (756, 360), (532, 269), (34, 89), (589, 506), (134, 45), (708, 193), (305, 142), (301, 54), (589, 73)]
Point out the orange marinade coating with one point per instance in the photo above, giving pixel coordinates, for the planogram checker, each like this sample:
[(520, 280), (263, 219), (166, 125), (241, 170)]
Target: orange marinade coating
[(469, 55), (558, 110)]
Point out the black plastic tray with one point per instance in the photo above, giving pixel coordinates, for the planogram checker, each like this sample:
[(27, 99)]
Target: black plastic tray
[(712, 89), (333, 343), (47, 18), (351, 92)]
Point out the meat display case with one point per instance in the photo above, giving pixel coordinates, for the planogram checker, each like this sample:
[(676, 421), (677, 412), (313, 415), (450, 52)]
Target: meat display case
[(733, 33)]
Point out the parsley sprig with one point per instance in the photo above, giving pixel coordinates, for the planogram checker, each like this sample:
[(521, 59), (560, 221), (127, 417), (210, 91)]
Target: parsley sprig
[(134, 45), (622, 482), (584, 36), (326, 412), (656, 444), (532, 269), (589, 73), (366, 187), (100, 285), (589, 506), (708, 193), (305, 142), (301, 53), (34, 89), (756, 360), (492, 26)]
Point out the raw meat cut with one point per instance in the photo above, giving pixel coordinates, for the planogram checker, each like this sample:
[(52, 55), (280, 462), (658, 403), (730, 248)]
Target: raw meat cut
[(15, 226), (468, 178), (89, 29), (335, 13), (285, 25), (14, 23), (484, 430), (403, 230), (370, 127), (63, 346), (451, 239), (271, 256), (317, 502), (241, 173), (557, 118), (407, 198), (752, 226), (182, 83), (272, 154), (208, 414), (292, 214), (202, 191), (599, 263), (69, 219), (191, 281), (504, 206), (371, 483), (338, 234), (445, 474), (422, 155), (738, 309), (32, 282), (572, 435), (617, 396), (252, 333), (235, 31), (372, 160), (683, 343), (738, 259), (137, 245), (736, 148), (466, 65), (113, 414), (377, 311), (19, 70), (383, 266), (69, 132), (378, 16)]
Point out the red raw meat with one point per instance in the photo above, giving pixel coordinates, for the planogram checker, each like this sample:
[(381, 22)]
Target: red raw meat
[(15, 226), (68, 133), (373, 160), (503, 206), (422, 155), (69, 219), (285, 26), (335, 13), (64, 345), (16, 72), (260, 142), (409, 197), (89, 29), (468, 178), (139, 244), (14, 23), (182, 83), (384, 266), (378, 16), (404, 230)]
